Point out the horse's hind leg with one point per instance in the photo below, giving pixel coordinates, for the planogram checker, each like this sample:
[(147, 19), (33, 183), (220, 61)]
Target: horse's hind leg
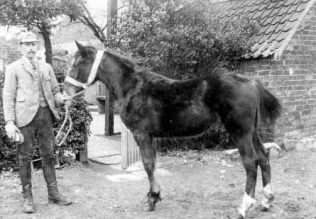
[(249, 160), (264, 164), (149, 158)]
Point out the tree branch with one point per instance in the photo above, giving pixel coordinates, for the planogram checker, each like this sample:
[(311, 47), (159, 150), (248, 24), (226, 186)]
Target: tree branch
[(87, 19)]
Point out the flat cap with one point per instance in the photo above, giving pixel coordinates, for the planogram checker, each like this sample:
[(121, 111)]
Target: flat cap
[(28, 37)]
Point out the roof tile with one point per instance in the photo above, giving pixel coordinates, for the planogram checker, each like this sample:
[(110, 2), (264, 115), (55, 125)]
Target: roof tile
[(266, 13), (287, 2), (274, 12), (301, 7), (281, 36), (285, 18), (288, 26), (293, 8), (248, 3), (283, 10), (271, 29), (261, 7), (294, 17), (270, 5), (279, 3), (276, 18), (256, 15)]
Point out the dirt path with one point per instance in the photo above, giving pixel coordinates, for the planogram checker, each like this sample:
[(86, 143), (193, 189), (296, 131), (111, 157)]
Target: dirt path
[(206, 185)]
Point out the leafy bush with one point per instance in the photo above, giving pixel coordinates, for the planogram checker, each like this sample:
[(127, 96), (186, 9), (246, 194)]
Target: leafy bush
[(183, 39), (8, 158)]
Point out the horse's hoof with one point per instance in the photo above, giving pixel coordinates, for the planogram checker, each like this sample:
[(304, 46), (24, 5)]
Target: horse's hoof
[(240, 216), (264, 209), (152, 199), (150, 207), (266, 202)]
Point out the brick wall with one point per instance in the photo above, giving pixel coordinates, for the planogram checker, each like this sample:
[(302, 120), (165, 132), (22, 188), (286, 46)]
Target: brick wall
[(293, 80), (8, 54)]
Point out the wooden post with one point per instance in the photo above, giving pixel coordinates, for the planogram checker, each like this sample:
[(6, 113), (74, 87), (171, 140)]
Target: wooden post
[(83, 155), (109, 100), (109, 117)]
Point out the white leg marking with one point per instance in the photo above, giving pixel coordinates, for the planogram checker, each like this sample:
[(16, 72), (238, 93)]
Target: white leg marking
[(267, 196), (270, 145), (247, 202)]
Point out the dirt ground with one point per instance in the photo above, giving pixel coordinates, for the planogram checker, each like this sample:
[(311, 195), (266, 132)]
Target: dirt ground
[(201, 185)]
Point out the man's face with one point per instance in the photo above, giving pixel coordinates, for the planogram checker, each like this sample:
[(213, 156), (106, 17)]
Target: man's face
[(29, 49)]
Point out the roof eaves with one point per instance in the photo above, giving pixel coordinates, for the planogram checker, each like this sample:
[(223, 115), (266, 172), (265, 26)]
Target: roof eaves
[(279, 51), (269, 50), (259, 51)]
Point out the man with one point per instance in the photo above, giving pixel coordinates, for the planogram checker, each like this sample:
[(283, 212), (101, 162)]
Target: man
[(30, 96)]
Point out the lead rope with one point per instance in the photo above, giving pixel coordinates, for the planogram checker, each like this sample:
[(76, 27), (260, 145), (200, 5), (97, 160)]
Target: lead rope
[(67, 118), (61, 131)]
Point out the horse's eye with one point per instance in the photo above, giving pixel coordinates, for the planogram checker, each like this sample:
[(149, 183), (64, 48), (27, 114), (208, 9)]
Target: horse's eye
[(77, 61)]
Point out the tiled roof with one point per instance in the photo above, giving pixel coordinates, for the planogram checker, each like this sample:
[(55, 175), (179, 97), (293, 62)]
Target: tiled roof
[(278, 20)]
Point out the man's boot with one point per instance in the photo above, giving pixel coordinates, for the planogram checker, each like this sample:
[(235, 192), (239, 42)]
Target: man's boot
[(50, 176), (25, 175)]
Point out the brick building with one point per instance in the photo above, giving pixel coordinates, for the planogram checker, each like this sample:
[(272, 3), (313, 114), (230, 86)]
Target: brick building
[(283, 57), (8, 53)]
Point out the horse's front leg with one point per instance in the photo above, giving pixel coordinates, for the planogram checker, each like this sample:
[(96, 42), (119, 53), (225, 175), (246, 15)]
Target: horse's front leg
[(149, 158)]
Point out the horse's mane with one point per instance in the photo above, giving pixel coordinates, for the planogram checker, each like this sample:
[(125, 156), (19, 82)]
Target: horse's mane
[(128, 62), (132, 66)]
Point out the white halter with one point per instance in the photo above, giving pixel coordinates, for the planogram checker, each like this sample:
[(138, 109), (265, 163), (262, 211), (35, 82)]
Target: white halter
[(92, 74)]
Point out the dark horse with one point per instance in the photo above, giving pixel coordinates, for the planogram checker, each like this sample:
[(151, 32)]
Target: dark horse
[(154, 106)]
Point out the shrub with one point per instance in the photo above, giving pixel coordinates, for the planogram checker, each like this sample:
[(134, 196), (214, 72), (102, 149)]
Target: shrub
[(8, 158), (181, 38)]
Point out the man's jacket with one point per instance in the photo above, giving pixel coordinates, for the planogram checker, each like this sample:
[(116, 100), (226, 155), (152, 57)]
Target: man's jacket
[(21, 91)]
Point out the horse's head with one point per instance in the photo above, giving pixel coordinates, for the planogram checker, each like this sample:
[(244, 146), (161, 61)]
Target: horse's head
[(83, 69)]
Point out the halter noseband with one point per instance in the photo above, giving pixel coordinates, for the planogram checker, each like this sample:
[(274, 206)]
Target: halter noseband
[(92, 74)]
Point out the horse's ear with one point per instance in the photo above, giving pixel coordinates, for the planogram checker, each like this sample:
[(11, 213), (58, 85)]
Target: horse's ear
[(81, 48)]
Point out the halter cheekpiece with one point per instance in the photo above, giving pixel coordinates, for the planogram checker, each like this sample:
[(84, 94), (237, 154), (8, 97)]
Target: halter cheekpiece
[(92, 74)]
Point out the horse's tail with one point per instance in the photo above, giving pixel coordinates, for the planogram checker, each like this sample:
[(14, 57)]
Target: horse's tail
[(270, 107), (268, 110)]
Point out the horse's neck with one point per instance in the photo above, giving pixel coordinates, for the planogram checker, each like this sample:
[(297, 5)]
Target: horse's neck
[(120, 81)]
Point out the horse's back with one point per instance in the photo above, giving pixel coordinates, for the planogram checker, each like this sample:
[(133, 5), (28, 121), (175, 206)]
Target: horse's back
[(166, 107)]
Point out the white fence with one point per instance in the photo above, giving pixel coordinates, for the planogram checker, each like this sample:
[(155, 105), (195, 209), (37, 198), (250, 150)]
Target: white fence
[(129, 149)]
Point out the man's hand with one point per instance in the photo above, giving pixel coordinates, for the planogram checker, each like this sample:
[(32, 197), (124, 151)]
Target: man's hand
[(66, 100), (62, 99), (11, 130)]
